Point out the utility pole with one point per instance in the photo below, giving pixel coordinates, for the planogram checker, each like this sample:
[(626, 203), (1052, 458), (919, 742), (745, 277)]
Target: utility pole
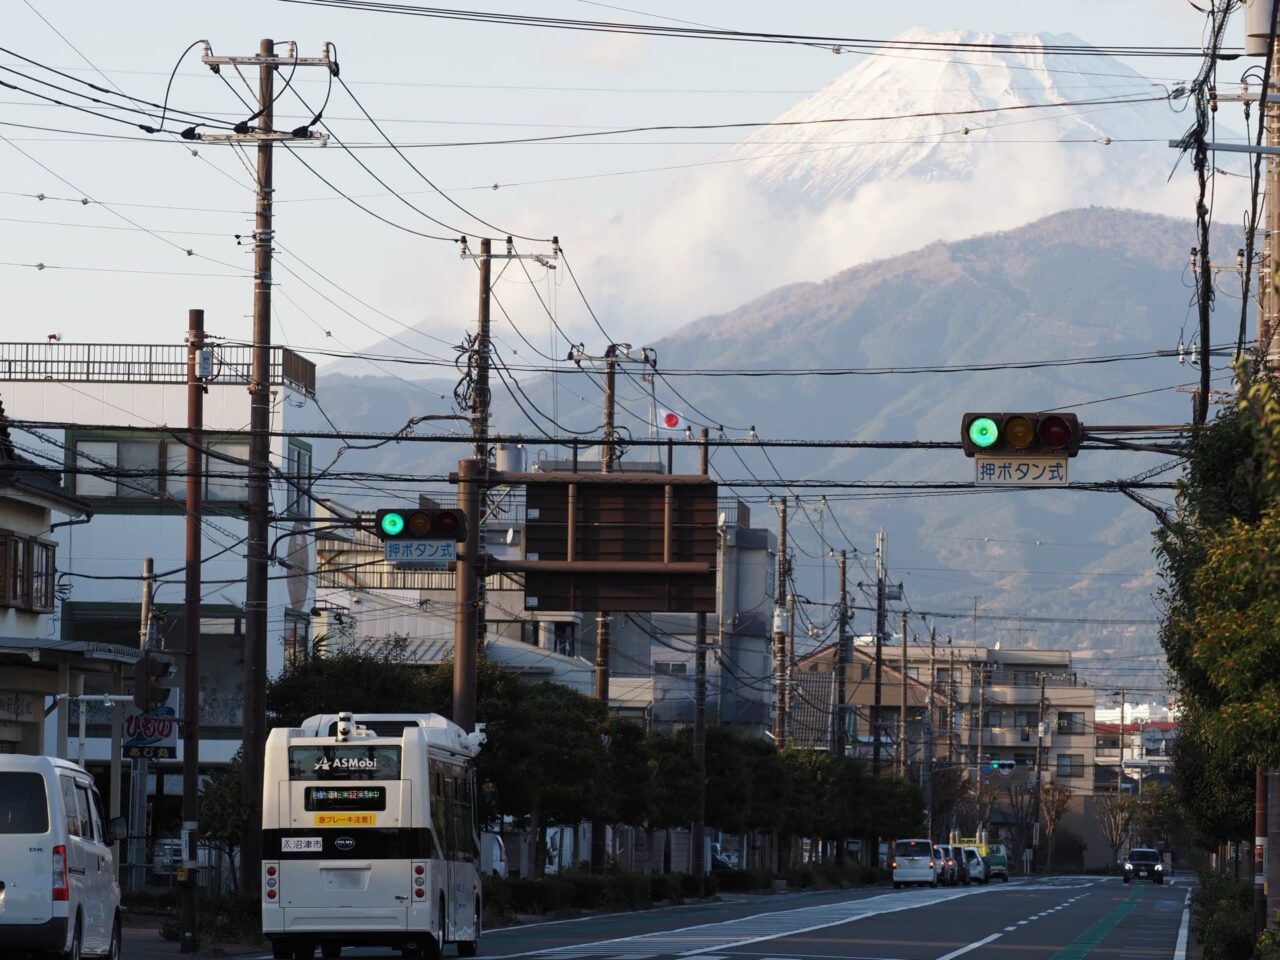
[(1040, 771), (138, 767), (926, 776), (259, 130), (480, 389), (780, 633), (974, 638), (1120, 773), (982, 718), (191, 632), (788, 698), (951, 700), (876, 728), (902, 714), (700, 718), (468, 571), (842, 661), (842, 666)]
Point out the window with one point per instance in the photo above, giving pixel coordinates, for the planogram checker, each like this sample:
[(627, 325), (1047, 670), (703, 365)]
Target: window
[(670, 669), (866, 671), (1070, 722), (228, 472), (128, 468), (944, 675), (1070, 765), (72, 806), (1024, 718), (90, 829), (24, 806), (994, 718), (298, 470), (42, 577), (1024, 759), (26, 573)]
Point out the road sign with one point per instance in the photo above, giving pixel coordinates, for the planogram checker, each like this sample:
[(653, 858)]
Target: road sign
[(420, 554), (1015, 471)]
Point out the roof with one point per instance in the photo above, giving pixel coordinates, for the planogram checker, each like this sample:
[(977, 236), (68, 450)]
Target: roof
[(19, 473)]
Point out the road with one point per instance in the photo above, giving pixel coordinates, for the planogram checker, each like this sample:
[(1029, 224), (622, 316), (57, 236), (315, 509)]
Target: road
[(1065, 918)]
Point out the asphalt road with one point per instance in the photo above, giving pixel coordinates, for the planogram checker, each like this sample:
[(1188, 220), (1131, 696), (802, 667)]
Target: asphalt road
[(1055, 919)]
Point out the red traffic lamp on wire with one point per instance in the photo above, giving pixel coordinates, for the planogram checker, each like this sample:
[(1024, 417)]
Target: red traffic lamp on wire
[(1020, 434)]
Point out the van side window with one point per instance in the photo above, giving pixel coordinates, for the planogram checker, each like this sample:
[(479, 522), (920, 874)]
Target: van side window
[(90, 826), (72, 804)]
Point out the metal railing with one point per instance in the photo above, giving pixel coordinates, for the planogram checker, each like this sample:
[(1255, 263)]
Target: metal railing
[(144, 363)]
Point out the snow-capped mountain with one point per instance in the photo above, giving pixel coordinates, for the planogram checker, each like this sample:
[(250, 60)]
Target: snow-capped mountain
[(946, 133)]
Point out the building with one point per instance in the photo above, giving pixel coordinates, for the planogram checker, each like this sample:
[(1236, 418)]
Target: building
[(104, 416), (1025, 706), (1141, 748)]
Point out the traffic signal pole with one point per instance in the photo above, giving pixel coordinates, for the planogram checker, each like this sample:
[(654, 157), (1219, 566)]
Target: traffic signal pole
[(191, 633)]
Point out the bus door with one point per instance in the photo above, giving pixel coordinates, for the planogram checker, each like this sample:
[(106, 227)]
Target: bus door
[(346, 830)]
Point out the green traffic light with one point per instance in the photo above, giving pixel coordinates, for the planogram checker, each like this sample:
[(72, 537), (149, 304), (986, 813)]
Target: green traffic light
[(983, 432), (392, 524)]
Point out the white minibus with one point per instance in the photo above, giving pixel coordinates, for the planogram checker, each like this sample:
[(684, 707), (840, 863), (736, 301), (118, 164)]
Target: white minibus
[(370, 836)]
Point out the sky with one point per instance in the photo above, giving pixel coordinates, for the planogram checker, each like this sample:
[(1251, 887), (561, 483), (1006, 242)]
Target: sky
[(346, 280)]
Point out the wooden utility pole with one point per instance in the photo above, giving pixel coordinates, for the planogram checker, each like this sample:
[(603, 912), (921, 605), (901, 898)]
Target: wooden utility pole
[(191, 632), (780, 634), (902, 714), (700, 718), (877, 728)]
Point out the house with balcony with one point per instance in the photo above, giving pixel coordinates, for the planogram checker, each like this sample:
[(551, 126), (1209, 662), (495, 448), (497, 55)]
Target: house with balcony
[(104, 420), (1133, 755)]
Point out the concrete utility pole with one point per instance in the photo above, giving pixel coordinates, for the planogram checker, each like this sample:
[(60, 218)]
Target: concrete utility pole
[(468, 571), (700, 717), (480, 388), (902, 713), (191, 632), (788, 689), (780, 633), (1040, 768), (842, 663), (876, 725), (259, 130), (1120, 770), (138, 770), (926, 774), (607, 454)]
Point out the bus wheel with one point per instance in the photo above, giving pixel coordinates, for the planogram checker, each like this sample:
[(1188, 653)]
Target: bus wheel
[(433, 949), (469, 948), (331, 951)]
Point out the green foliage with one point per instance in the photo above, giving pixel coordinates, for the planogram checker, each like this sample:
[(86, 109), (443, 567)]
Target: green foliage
[(1214, 785), (362, 681), (1156, 814), (1222, 917), (673, 777)]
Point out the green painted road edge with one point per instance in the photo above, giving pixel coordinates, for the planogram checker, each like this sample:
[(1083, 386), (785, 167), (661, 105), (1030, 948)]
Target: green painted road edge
[(1083, 945)]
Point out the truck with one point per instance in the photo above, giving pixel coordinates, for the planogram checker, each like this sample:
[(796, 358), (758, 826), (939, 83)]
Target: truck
[(995, 855)]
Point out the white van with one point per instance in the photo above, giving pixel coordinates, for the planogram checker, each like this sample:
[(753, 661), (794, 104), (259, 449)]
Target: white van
[(913, 862), (58, 885)]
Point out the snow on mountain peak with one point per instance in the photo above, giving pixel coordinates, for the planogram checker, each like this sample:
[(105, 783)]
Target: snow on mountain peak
[(942, 98)]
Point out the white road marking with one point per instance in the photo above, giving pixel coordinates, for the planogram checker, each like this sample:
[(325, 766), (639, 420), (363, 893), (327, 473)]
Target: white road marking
[(1180, 949), (707, 938), (973, 946)]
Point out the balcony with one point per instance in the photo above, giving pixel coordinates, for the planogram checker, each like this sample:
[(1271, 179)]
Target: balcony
[(145, 363)]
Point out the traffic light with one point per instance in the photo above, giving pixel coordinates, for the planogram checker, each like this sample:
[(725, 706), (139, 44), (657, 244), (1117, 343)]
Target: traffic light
[(421, 524), (1002, 767), (150, 669), (1015, 434)]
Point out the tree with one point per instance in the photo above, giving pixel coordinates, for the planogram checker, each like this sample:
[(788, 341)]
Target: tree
[(1054, 800), (1022, 804), (1113, 811), (379, 680), (223, 813), (1214, 786), (675, 793), (1157, 815)]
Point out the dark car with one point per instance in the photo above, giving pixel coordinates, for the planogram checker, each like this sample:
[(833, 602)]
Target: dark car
[(1145, 863)]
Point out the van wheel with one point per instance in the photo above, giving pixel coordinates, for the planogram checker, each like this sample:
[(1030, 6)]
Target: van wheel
[(281, 949), (77, 942), (897, 885), (113, 949), (304, 951), (469, 948)]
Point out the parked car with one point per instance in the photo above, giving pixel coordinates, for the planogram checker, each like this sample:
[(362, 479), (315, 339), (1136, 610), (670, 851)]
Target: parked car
[(913, 864), (940, 866), (977, 866), (58, 887), (1144, 862), (950, 874)]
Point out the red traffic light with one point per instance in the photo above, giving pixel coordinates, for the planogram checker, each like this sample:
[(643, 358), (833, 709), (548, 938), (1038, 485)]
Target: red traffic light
[(421, 524)]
